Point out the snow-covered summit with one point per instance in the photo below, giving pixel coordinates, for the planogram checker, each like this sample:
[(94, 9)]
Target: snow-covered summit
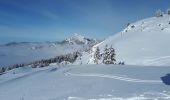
[(145, 42), (79, 39)]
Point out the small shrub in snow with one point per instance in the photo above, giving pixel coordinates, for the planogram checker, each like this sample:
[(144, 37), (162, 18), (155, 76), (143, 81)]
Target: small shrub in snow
[(121, 63), (133, 26), (9, 68), (168, 11), (128, 24), (2, 70), (159, 13)]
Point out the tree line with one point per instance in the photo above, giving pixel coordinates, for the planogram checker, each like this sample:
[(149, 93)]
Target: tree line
[(70, 57)]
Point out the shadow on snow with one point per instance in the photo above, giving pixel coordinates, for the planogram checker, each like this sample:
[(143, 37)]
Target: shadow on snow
[(166, 79)]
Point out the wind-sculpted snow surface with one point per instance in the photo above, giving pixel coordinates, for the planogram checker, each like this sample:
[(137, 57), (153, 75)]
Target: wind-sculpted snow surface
[(85, 82)]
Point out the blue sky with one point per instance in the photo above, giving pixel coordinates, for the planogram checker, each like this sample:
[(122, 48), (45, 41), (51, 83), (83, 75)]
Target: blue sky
[(52, 20)]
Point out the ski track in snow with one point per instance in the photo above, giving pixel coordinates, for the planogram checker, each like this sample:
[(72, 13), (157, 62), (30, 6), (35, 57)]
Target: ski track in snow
[(113, 77)]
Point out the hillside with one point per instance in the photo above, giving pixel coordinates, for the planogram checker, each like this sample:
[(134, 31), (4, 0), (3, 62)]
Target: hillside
[(145, 42)]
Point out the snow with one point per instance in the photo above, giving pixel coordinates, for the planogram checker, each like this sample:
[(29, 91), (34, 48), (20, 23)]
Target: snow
[(145, 44), (85, 82), (115, 77)]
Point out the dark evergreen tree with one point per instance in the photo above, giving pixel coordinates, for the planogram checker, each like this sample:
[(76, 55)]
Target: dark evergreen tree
[(97, 55), (168, 11), (109, 56), (123, 63), (112, 55), (128, 24), (2, 70), (105, 54), (133, 26)]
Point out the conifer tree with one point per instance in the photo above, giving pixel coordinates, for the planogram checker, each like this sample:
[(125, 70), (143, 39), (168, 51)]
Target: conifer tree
[(109, 55), (168, 11), (2, 70), (105, 55), (159, 13), (97, 56), (112, 55)]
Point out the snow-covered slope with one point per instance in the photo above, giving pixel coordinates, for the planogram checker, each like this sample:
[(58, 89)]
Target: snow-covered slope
[(26, 52), (144, 42), (86, 82)]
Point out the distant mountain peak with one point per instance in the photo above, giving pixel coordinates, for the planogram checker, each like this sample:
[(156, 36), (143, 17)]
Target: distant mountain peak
[(78, 36), (79, 39), (15, 43)]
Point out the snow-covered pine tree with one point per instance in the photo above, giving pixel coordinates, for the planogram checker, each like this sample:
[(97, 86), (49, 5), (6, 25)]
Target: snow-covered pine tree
[(159, 13), (97, 56), (109, 55), (168, 11), (112, 55), (128, 24), (2, 70), (105, 55)]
